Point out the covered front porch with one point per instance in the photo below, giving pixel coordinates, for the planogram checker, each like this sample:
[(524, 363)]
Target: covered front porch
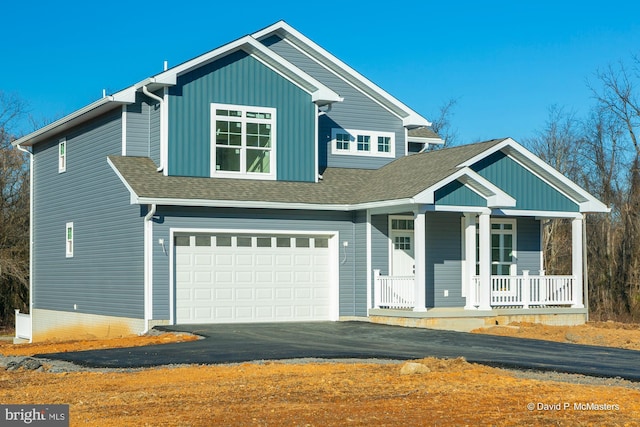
[(476, 262)]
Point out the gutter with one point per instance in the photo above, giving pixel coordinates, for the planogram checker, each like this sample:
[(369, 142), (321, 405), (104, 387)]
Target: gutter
[(24, 150), (148, 267), (160, 100)]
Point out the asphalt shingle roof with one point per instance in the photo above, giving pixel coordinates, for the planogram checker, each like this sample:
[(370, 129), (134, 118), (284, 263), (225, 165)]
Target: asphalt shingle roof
[(403, 178)]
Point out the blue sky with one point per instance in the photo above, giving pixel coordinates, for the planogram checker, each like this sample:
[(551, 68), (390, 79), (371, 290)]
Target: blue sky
[(506, 62)]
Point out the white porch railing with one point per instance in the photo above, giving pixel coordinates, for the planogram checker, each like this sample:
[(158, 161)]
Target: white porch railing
[(529, 290), (23, 325), (394, 291)]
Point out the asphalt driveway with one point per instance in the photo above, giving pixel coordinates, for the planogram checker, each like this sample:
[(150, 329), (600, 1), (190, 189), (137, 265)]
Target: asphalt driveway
[(361, 340)]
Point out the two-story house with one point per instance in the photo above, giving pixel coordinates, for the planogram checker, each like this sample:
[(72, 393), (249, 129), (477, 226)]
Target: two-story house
[(267, 181)]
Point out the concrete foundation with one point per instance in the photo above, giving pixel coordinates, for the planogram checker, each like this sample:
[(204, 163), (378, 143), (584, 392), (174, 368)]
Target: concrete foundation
[(458, 319)]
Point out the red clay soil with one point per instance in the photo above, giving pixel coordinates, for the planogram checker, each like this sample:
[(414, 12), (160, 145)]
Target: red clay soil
[(427, 392)]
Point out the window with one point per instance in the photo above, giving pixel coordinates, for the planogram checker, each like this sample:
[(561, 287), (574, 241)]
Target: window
[(402, 242), (362, 142), (69, 240), (223, 241), (342, 141), (384, 144), (244, 242), (62, 156), (503, 239), (243, 141), (402, 224)]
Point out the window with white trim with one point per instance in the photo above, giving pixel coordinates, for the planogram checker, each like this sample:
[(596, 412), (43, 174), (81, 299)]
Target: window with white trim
[(69, 240), (243, 141), (503, 247), (362, 142), (62, 155)]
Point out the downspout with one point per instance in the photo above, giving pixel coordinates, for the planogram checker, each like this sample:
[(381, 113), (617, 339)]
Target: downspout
[(161, 101), (24, 150), (148, 267)]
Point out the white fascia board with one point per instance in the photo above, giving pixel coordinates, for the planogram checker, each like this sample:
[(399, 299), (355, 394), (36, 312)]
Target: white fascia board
[(410, 118), (424, 140), (537, 214), (133, 197), (88, 112), (545, 172), (320, 93), (265, 205), (495, 196)]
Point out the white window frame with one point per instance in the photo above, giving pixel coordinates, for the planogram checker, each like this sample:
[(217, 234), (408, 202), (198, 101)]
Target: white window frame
[(243, 146), (62, 155), (69, 240), (353, 143)]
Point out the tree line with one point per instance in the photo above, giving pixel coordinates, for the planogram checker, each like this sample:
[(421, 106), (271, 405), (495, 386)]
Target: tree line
[(599, 151)]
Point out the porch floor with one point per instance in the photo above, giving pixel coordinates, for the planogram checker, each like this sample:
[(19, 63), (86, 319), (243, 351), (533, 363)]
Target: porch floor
[(459, 319)]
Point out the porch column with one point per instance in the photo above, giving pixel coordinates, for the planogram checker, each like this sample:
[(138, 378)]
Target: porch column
[(577, 248), (420, 259), (470, 259), (485, 261)]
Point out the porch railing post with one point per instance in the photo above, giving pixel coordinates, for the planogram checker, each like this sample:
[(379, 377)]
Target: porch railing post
[(377, 289), (526, 289)]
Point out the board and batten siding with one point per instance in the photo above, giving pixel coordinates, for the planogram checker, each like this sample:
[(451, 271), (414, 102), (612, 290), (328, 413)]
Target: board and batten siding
[(143, 128), (357, 111), (530, 192), (105, 274), (241, 80), (350, 290), (457, 194)]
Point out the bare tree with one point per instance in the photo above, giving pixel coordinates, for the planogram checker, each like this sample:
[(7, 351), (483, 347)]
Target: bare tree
[(442, 124), (14, 213)]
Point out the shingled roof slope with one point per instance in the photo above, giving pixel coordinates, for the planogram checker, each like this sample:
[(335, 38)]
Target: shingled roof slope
[(401, 179)]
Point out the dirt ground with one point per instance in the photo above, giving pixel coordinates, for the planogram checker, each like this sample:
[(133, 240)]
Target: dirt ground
[(428, 392)]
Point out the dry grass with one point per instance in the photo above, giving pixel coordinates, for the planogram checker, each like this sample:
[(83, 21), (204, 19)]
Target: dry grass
[(445, 392)]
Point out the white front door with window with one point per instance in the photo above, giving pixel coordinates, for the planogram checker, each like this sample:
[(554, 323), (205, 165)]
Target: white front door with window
[(402, 246)]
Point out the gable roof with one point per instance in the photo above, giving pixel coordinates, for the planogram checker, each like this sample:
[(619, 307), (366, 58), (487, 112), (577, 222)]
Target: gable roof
[(283, 30), (408, 180), (320, 93)]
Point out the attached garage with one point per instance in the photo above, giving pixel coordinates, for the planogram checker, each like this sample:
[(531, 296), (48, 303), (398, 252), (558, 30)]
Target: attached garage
[(242, 278)]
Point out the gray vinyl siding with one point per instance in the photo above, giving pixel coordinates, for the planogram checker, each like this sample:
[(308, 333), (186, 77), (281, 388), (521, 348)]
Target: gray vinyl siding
[(143, 128), (350, 301), (444, 265), (528, 245), (380, 243), (105, 275), (357, 112)]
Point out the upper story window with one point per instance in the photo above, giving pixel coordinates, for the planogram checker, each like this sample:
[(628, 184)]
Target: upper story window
[(62, 155), (69, 240), (243, 141), (362, 143)]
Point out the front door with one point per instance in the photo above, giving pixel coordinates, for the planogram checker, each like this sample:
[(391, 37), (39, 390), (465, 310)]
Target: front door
[(402, 246)]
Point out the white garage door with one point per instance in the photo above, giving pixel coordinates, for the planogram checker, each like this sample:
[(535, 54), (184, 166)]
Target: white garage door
[(233, 278)]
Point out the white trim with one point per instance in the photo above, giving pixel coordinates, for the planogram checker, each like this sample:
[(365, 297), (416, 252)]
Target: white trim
[(316, 141), (243, 173), (123, 121), (69, 242), (420, 259), (484, 229), (133, 198), (334, 273), (88, 112), (409, 117), (543, 171), (353, 143), (577, 248), (62, 158), (164, 132), (390, 239), (537, 214), (368, 255), (494, 195)]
